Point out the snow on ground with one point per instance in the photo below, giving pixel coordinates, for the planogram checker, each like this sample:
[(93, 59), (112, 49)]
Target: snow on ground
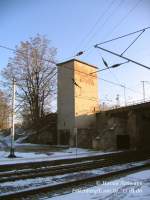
[(23, 157), (135, 186), (117, 189), (27, 152), (56, 154), (4, 141), (41, 181)]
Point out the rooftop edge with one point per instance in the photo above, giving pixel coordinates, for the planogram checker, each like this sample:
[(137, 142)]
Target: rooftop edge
[(74, 59)]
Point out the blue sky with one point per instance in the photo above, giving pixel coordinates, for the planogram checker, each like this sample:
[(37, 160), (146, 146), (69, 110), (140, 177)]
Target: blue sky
[(74, 25)]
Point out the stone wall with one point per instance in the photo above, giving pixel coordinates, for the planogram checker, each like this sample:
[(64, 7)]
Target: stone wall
[(108, 128), (47, 133), (85, 137), (133, 125)]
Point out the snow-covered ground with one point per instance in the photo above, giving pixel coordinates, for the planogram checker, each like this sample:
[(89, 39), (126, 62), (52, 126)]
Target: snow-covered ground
[(45, 154), (51, 180), (26, 152), (135, 186)]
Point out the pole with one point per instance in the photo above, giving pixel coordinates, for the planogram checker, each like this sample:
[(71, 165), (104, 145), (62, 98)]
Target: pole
[(125, 99), (103, 105), (121, 56), (117, 101), (12, 149), (76, 136), (143, 87)]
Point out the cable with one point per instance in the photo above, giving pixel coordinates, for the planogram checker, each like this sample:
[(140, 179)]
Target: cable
[(1, 46), (17, 51), (113, 66), (107, 19), (119, 37), (113, 75), (123, 18), (143, 30), (97, 21), (53, 62), (123, 57), (133, 42), (129, 12), (111, 82)]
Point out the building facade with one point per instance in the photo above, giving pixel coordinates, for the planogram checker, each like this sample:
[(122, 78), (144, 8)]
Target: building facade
[(78, 99)]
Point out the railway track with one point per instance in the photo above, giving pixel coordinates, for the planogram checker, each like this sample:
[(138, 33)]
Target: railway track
[(67, 166), (60, 167)]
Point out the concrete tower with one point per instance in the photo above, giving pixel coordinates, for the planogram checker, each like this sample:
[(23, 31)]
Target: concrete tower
[(77, 99)]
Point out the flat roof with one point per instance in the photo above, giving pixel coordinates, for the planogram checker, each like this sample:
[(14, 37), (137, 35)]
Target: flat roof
[(74, 59)]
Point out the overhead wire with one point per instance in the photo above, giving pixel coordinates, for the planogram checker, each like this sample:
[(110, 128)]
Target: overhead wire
[(71, 57), (141, 32), (133, 42), (115, 77), (131, 10), (113, 66), (115, 27), (104, 23), (85, 73), (124, 17), (53, 62), (122, 36), (121, 55), (88, 98), (99, 19), (111, 82)]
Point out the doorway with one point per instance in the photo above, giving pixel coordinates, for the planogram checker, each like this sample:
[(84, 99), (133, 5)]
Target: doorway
[(123, 142)]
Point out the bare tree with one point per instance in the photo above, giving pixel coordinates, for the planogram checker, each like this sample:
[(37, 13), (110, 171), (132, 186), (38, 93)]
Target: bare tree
[(35, 73)]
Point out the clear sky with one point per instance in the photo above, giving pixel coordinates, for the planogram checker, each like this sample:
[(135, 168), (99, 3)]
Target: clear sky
[(74, 25)]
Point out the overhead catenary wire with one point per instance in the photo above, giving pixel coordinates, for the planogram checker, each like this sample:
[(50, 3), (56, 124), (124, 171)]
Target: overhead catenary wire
[(121, 56), (87, 74), (122, 36), (124, 17), (133, 42), (110, 82), (116, 78), (116, 38), (99, 19), (104, 23), (21, 52), (112, 66), (53, 62), (128, 60), (19, 106)]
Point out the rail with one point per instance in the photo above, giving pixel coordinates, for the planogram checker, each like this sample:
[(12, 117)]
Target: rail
[(78, 166)]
